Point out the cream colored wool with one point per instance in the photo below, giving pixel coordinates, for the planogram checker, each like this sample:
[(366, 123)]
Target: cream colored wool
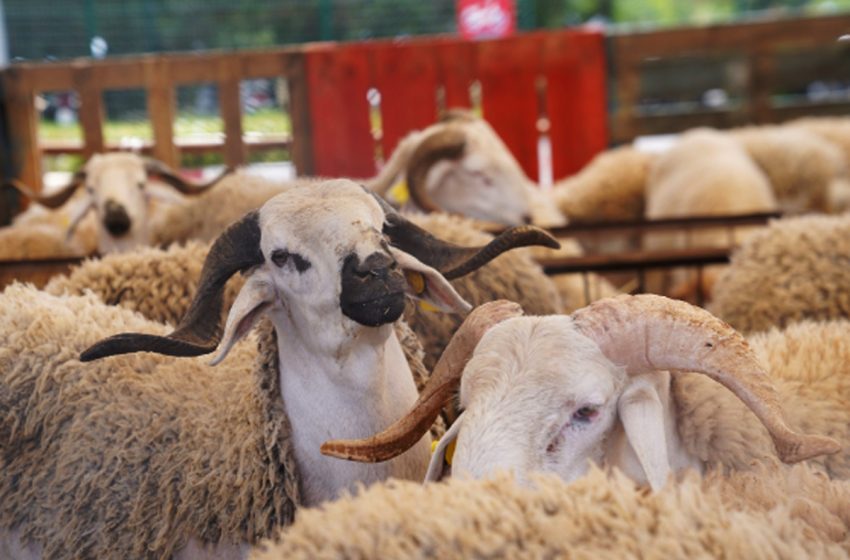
[(609, 188), (705, 173), (129, 457), (205, 216), (800, 165), (834, 129), (769, 513), (809, 363), (795, 269), (37, 241)]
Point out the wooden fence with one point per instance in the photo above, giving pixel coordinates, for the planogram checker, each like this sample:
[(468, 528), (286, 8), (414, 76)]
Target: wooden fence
[(762, 69), (550, 82)]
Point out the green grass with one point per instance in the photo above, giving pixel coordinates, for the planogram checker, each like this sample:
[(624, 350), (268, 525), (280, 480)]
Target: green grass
[(266, 121)]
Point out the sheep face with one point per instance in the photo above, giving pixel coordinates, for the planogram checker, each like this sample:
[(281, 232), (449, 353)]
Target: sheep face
[(116, 187), (538, 396)]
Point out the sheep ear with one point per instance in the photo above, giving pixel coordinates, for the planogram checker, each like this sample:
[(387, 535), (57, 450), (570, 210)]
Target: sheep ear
[(438, 457), (254, 298), (426, 284), (642, 414)]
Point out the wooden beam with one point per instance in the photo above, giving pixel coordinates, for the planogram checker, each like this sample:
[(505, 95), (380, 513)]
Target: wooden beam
[(231, 109), (299, 114), (91, 109), (22, 119), (161, 109)]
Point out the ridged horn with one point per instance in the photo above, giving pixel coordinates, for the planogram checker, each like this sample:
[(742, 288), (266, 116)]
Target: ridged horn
[(454, 261), (649, 333), (56, 199), (170, 176), (199, 332), (441, 386), (448, 142)]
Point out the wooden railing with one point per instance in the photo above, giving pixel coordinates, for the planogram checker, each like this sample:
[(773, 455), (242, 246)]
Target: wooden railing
[(537, 83), (758, 62)]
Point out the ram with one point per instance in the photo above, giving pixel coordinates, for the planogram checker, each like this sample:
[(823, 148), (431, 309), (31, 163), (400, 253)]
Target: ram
[(555, 393), (117, 191), (134, 456)]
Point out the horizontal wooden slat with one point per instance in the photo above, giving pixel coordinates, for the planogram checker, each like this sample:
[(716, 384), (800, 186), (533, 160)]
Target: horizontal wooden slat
[(186, 145), (637, 260), (38, 272)]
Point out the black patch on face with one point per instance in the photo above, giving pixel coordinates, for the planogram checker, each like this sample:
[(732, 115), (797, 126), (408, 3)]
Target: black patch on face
[(372, 291), (280, 257), (115, 218)]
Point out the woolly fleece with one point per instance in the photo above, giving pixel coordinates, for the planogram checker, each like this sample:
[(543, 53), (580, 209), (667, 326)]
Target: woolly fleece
[(769, 513), (795, 269), (128, 457)]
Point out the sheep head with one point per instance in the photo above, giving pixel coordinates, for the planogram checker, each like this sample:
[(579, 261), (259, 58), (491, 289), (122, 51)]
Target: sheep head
[(116, 188), (551, 393), (461, 166), (328, 260)]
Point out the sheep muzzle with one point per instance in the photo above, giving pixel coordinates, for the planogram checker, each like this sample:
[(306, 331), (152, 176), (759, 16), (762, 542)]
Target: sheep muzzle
[(373, 290)]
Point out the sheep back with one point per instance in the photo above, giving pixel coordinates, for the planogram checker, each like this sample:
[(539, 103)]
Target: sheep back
[(774, 513), (130, 456)]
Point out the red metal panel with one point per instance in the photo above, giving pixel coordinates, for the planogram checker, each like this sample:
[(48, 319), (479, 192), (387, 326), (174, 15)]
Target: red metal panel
[(406, 76), (507, 69), (338, 79), (575, 68), (456, 61)]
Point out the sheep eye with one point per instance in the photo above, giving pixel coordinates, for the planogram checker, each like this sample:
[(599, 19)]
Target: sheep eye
[(141, 185), (585, 414), (280, 257)]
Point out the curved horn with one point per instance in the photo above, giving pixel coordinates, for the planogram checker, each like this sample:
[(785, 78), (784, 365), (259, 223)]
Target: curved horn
[(54, 200), (454, 261), (448, 142), (168, 175), (199, 332), (665, 334), (441, 386)]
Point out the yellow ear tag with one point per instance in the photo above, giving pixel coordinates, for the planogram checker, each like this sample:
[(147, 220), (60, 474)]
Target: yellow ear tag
[(450, 450), (417, 282), (400, 193)]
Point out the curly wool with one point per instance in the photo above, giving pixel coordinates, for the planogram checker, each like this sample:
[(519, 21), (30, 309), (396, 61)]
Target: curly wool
[(795, 269), (800, 165), (131, 456), (204, 217), (809, 363), (772, 512), (609, 188)]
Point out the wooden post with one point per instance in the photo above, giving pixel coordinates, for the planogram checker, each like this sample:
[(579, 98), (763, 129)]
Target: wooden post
[(160, 94), (229, 67), (23, 128), (299, 113), (91, 109)]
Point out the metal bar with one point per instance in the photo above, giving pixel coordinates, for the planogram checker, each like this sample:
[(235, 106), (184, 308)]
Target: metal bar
[(637, 260)]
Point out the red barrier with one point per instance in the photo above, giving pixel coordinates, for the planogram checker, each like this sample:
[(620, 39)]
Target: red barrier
[(409, 74)]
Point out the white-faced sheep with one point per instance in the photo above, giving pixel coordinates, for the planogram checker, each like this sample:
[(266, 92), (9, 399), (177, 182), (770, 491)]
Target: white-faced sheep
[(460, 165), (795, 269), (133, 456), (116, 190), (555, 393), (767, 513)]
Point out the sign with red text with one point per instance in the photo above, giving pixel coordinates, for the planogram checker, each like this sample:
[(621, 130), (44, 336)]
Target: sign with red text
[(486, 19)]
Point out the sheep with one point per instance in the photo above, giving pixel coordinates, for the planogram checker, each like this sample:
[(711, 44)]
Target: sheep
[(704, 173), (460, 165), (802, 167), (555, 393), (134, 456), (767, 513), (160, 283), (609, 188), (116, 190), (794, 269)]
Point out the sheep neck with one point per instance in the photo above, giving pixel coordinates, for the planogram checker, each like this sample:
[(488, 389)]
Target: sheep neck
[(350, 389)]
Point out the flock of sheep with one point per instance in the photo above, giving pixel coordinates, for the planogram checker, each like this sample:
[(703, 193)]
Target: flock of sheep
[(371, 317)]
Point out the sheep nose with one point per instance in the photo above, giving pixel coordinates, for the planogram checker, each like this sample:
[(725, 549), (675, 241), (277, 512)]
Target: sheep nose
[(376, 265), (526, 219), (115, 218)]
